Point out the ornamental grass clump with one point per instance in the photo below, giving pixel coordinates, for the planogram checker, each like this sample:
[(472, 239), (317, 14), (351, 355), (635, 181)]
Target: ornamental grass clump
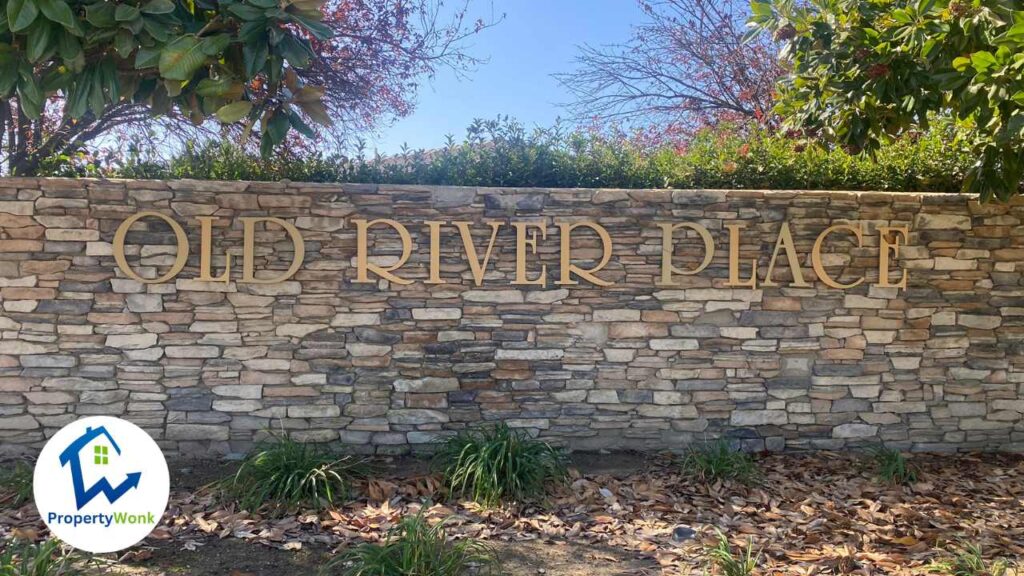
[(415, 548), (893, 467), (283, 474), (969, 561), (713, 461), (725, 562), (48, 558), (493, 465), (15, 483)]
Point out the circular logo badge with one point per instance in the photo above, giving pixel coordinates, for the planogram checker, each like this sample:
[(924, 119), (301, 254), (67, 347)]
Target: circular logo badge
[(101, 484)]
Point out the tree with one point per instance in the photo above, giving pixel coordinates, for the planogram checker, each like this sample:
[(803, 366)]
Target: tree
[(73, 70), (862, 71), (686, 67)]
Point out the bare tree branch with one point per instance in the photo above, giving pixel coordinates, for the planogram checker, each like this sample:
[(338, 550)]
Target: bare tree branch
[(686, 67)]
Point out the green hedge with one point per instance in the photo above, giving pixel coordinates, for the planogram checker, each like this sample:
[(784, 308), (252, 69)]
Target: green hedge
[(502, 153)]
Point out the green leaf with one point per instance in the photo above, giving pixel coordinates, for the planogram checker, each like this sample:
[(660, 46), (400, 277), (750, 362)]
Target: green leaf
[(126, 13), (246, 12), (101, 14), (71, 52), (960, 64), (296, 121), (297, 52), (180, 59), (41, 41), (147, 58), (318, 29), (214, 45), (158, 7), (124, 43), (234, 112), (761, 11), (157, 29), (30, 96), (21, 14), (220, 88), (255, 57), (58, 11), (983, 60), (277, 127)]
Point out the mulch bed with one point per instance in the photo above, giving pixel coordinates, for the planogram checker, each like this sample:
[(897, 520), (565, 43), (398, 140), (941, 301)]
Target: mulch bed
[(818, 513)]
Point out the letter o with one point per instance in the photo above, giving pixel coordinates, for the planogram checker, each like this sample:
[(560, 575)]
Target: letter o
[(122, 262)]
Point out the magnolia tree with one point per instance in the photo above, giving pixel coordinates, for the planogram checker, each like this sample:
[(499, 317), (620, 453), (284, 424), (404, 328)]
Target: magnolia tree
[(72, 70), (685, 68), (862, 71)]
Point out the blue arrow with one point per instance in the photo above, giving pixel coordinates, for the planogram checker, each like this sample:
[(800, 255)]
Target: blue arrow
[(132, 481)]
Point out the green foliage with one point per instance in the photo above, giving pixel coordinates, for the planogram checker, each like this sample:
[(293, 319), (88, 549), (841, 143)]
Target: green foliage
[(724, 561), (415, 548), (968, 561), (232, 59), (48, 558), (893, 467), (497, 464), (502, 153), (861, 71), (717, 460), (15, 483), (283, 474)]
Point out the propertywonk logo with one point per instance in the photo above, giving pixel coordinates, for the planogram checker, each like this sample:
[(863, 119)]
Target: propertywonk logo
[(101, 484)]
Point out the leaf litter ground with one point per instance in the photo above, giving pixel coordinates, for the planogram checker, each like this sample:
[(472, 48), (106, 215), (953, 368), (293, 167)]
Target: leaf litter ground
[(819, 513)]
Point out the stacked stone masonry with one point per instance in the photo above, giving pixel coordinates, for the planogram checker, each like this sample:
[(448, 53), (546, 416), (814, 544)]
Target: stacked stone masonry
[(209, 367)]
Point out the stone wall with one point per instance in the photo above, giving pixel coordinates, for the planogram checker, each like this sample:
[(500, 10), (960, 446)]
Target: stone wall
[(208, 367)]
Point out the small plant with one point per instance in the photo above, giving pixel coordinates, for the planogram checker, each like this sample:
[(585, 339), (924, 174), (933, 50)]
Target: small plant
[(415, 548), (893, 466), (15, 484), (47, 558), (286, 474), (723, 561), (968, 561), (720, 461), (499, 464)]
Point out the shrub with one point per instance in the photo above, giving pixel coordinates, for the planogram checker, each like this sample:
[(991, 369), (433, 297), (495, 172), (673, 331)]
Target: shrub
[(284, 474), (498, 464), (893, 466), (725, 562), (719, 461), (48, 558), (501, 152), (415, 548), (968, 561), (15, 484)]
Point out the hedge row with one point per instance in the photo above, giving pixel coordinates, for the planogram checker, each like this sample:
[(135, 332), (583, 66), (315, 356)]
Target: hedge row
[(496, 153)]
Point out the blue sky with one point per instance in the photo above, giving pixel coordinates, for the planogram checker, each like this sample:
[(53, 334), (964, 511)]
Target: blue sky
[(536, 39)]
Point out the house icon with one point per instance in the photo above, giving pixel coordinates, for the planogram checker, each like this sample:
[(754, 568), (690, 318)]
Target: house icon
[(72, 457)]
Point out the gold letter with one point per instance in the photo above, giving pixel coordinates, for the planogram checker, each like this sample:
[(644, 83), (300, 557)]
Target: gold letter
[(248, 249), (362, 265), (819, 268), (206, 253), (883, 255), (785, 240), (521, 243), (734, 260), (179, 235), (568, 269), (667, 249), (478, 268), (435, 252)]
